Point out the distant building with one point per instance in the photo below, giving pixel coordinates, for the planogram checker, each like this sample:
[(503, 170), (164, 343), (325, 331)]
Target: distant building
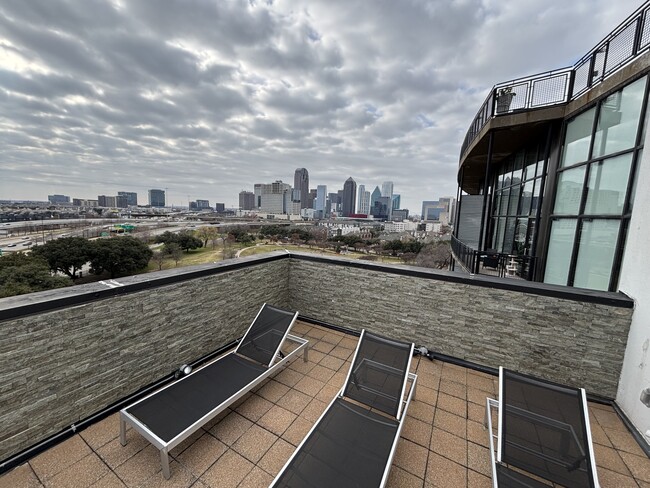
[(202, 204), (121, 201), (312, 198), (396, 201), (301, 186), (157, 198), (220, 207), (400, 214), (247, 200), (82, 202), (257, 191), (387, 189), (106, 201), (363, 207), (431, 209), (57, 199), (321, 200), (131, 197), (349, 197), (275, 197)]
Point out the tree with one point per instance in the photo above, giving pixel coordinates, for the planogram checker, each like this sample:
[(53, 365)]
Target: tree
[(187, 241), (174, 251), (67, 254), (158, 258), (119, 256), (203, 233), (434, 255), (26, 273)]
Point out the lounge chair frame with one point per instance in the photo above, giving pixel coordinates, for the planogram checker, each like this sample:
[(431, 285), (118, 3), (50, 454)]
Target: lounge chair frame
[(403, 408), (567, 431), (164, 447)]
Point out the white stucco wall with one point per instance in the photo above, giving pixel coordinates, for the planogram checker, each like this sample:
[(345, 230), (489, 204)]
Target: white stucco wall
[(635, 282)]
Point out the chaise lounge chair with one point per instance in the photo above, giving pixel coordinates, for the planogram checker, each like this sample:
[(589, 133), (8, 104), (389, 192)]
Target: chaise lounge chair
[(543, 432), (170, 415), (353, 442)]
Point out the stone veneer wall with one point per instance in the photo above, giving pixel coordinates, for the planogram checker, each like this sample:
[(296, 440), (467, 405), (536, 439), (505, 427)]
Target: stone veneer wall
[(565, 340), (64, 365)]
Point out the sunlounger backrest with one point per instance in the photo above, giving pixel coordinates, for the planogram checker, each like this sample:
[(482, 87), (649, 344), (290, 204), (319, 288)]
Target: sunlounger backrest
[(262, 341), (544, 430), (378, 376)]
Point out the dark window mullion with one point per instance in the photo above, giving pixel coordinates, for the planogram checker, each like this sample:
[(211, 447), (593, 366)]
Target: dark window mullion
[(578, 234)]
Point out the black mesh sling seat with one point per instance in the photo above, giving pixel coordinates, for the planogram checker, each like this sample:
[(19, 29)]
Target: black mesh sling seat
[(543, 434), (353, 443), (170, 415)]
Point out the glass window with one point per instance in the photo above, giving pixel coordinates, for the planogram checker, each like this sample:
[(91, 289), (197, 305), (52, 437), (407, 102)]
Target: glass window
[(560, 248), (535, 199), (500, 233), (509, 236), (521, 232), (526, 198), (633, 190), (514, 200), (577, 139), (607, 185), (569, 191), (596, 254), (504, 202), (540, 167), (619, 119), (497, 203)]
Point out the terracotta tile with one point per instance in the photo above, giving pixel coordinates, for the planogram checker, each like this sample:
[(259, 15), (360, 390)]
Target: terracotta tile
[(254, 408), (231, 428), (451, 423), (484, 382), (340, 353), (321, 373), (398, 478), (141, 467), (82, 473), (349, 342), (478, 396), (102, 432), (22, 475), (316, 333), (610, 459), (639, 465), (309, 386), (426, 395), (422, 411), (608, 478), (202, 454), (598, 435), (181, 477), (443, 473), (288, 377), (454, 373), (417, 431), (314, 410), (115, 454), (477, 433), (322, 346), (229, 470), (254, 443), (476, 412), (608, 419), (411, 457), (333, 337), (454, 389), (328, 393), (316, 357), (295, 401), (449, 446), (478, 459), (428, 380), (477, 480), (277, 420), (273, 391), (297, 431), (58, 458), (332, 362), (452, 404), (300, 328), (256, 478), (276, 457), (109, 481), (303, 367), (623, 441)]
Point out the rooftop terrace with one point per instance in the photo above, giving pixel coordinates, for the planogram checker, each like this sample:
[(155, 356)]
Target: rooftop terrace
[(443, 444)]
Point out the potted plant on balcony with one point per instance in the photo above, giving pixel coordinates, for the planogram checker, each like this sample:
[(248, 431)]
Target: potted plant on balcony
[(504, 98)]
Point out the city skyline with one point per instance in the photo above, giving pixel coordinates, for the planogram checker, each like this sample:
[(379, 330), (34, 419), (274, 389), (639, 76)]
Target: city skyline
[(202, 108)]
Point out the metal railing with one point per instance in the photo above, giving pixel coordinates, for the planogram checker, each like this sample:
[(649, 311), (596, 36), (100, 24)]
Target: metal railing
[(623, 45), (493, 263)]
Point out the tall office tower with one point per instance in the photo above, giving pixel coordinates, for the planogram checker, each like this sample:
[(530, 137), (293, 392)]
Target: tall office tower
[(246, 200), (257, 191), (121, 201), (396, 201), (131, 197), (157, 198), (301, 183), (202, 204), (349, 197), (374, 198), (312, 198), (275, 197), (220, 207), (106, 201), (387, 189), (321, 197), (363, 206), (334, 201)]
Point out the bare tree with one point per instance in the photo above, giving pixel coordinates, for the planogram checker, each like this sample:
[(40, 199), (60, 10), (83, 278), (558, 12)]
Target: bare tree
[(158, 258), (174, 251), (435, 255), (203, 233)]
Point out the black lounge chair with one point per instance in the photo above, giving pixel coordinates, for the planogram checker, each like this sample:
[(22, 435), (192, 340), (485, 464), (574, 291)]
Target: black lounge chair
[(543, 433), (170, 415), (354, 441)]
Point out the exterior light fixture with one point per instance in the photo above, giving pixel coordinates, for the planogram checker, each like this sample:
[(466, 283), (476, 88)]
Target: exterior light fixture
[(184, 370), (645, 397)]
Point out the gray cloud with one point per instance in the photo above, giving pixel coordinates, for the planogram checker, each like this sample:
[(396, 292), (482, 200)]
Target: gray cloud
[(206, 98)]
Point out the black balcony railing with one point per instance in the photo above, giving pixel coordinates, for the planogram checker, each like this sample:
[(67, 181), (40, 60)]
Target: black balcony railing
[(623, 45), (493, 263)]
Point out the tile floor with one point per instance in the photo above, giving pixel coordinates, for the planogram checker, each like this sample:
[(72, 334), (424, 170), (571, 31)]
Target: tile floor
[(443, 442)]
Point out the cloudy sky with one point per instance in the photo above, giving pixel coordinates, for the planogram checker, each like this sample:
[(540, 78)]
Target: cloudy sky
[(207, 97)]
